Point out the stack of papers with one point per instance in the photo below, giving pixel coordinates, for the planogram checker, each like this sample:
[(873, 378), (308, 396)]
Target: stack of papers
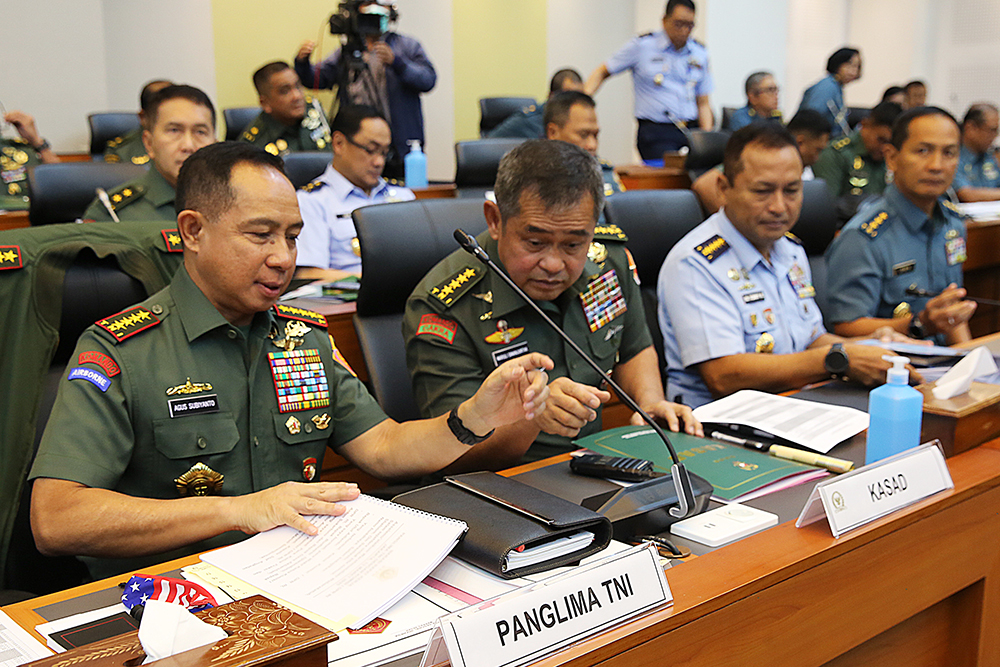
[(550, 550), (17, 646)]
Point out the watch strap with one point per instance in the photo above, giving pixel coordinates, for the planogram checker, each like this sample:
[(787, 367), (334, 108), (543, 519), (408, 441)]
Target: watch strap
[(461, 432)]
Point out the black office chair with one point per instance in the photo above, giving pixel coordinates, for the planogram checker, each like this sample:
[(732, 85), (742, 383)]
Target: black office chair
[(237, 119), (476, 164), (654, 220), (817, 225), (857, 114), (305, 167), (494, 110), (61, 192), (727, 118), (400, 243), (706, 148), (107, 125)]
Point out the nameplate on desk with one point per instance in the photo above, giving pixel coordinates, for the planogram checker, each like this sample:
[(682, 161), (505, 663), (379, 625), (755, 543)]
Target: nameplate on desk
[(530, 622), (851, 500)]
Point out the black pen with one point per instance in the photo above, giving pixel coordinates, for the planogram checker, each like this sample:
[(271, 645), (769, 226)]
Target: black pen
[(733, 440)]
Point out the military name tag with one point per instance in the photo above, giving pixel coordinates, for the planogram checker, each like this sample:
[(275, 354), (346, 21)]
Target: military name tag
[(753, 297), (299, 380), (193, 405), (904, 267), (955, 249), (603, 301), (508, 353)]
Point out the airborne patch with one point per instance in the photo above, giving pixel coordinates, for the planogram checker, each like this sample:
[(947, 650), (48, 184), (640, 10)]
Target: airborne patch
[(300, 314), (173, 240), (128, 322), (457, 285), (10, 257), (713, 248)]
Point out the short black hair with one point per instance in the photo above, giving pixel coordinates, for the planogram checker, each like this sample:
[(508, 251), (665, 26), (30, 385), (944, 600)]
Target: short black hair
[(146, 96), (884, 114), (557, 109), (560, 78), (766, 135), (677, 3), (203, 182), (754, 80), (348, 119), (916, 83), (174, 91), (901, 129), (977, 113), (262, 77), (892, 90), (811, 122), (839, 57), (560, 173)]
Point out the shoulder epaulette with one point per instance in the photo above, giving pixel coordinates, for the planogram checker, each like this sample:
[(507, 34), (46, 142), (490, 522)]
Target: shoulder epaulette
[(112, 159), (128, 323), (872, 226), (395, 181), (122, 197), (309, 187), (528, 109), (115, 142), (609, 233), (140, 159), (840, 144), (713, 248), (20, 141), (793, 238), (251, 133), (605, 164), (646, 34), (300, 314), (951, 206), (10, 257), (172, 240), (453, 287)]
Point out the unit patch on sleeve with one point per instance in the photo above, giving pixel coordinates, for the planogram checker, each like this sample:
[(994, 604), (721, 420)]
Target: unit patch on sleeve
[(10, 257), (300, 314), (93, 377), (102, 360), (173, 240), (433, 325), (338, 356), (713, 248), (128, 322)]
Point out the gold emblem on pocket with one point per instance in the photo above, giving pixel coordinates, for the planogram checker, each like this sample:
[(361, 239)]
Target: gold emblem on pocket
[(200, 480)]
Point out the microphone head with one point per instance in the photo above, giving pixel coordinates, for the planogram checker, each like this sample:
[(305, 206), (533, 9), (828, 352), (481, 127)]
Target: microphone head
[(464, 240)]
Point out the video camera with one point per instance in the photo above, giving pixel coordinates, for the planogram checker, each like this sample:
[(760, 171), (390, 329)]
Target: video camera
[(374, 20)]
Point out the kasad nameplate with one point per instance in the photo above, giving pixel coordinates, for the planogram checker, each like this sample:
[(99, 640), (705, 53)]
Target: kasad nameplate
[(851, 500), (528, 623)]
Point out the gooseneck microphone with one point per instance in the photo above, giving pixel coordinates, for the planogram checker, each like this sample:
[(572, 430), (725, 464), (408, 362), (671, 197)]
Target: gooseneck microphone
[(682, 482)]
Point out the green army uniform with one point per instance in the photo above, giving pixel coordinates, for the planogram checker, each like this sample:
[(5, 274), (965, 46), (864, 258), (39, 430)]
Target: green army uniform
[(612, 183), (16, 155), (148, 197), (848, 169), (158, 403), (462, 321), (127, 148), (280, 139)]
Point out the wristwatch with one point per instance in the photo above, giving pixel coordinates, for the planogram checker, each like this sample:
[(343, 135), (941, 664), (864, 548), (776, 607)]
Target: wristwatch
[(42, 146), (461, 432), (836, 362), (916, 328)]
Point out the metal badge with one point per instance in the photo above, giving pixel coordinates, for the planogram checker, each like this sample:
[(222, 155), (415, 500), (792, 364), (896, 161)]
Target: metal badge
[(309, 469), (189, 388), (902, 310), (322, 421), (764, 344), (294, 335), (200, 480), (597, 253), (293, 425), (733, 274)]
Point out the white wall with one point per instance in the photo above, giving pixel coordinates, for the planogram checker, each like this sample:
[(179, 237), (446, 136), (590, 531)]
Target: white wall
[(965, 65)]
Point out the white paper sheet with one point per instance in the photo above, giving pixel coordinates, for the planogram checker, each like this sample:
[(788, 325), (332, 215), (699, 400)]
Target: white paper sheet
[(17, 646)]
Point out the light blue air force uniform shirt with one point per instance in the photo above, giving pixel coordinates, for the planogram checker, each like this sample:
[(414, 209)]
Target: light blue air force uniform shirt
[(328, 236), (666, 80), (718, 297), (976, 171), (887, 246), (827, 97)]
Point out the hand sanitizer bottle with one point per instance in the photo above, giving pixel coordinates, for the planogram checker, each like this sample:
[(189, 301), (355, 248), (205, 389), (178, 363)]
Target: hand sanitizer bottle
[(895, 411), (415, 166)]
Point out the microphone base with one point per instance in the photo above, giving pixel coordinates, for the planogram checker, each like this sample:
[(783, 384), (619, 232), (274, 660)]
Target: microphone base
[(643, 508)]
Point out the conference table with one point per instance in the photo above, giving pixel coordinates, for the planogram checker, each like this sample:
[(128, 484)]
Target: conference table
[(918, 587)]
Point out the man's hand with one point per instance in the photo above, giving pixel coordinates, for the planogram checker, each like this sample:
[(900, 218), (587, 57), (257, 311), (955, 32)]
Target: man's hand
[(570, 407), (868, 367), (383, 52), (887, 334), (287, 504), (672, 414), (25, 126), (947, 311), (305, 50), (515, 390)]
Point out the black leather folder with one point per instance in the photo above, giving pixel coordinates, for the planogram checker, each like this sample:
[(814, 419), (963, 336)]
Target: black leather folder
[(504, 515)]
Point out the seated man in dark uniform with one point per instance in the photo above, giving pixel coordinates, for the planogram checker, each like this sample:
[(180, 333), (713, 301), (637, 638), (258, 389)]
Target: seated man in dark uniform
[(528, 123), (129, 146), (16, 156), (572, 116), (762, 102), (184, 419), (290, 120), (461, 321), (181, 120)]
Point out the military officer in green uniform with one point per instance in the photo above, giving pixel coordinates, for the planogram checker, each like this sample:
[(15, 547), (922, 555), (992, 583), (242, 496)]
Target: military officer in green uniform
[(462, 321), (854, 166), (290, 120), (129, 147), (572, 116), (16, 156), (181, 120), (203, 412)]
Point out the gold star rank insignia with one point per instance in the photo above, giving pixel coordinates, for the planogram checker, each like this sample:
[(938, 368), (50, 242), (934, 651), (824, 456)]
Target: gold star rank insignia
[(10, 257), (128, 323), (173, 240), (300, 314)]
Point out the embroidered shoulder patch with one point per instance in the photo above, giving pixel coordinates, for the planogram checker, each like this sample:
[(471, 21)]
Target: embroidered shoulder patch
[(713, 248), (99, 359), (315, 185), (300, 314), (338, 356), (438, 326), (128, 322), (173, 240), (451, 289), (10, 257), (872, 226), (609, 233)]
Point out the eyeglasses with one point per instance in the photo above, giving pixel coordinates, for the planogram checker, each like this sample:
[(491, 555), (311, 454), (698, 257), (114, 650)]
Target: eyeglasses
[(373, 151), (770, 90)]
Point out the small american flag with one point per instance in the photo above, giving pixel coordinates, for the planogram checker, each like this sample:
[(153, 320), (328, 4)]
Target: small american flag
[(141, 588)]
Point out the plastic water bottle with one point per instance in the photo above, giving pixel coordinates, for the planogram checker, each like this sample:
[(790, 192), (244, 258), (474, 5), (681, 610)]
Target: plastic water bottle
[(415, 166), (895, 411)]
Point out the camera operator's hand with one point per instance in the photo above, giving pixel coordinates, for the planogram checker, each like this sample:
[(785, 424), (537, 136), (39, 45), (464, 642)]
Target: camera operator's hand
[(305, 50), (384, 52)]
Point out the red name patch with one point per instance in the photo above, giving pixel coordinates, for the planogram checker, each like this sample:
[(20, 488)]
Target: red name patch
[(102, 360), (438, 326)]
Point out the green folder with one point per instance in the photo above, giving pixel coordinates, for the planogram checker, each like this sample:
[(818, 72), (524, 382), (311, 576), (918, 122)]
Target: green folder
[(732, 470)]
